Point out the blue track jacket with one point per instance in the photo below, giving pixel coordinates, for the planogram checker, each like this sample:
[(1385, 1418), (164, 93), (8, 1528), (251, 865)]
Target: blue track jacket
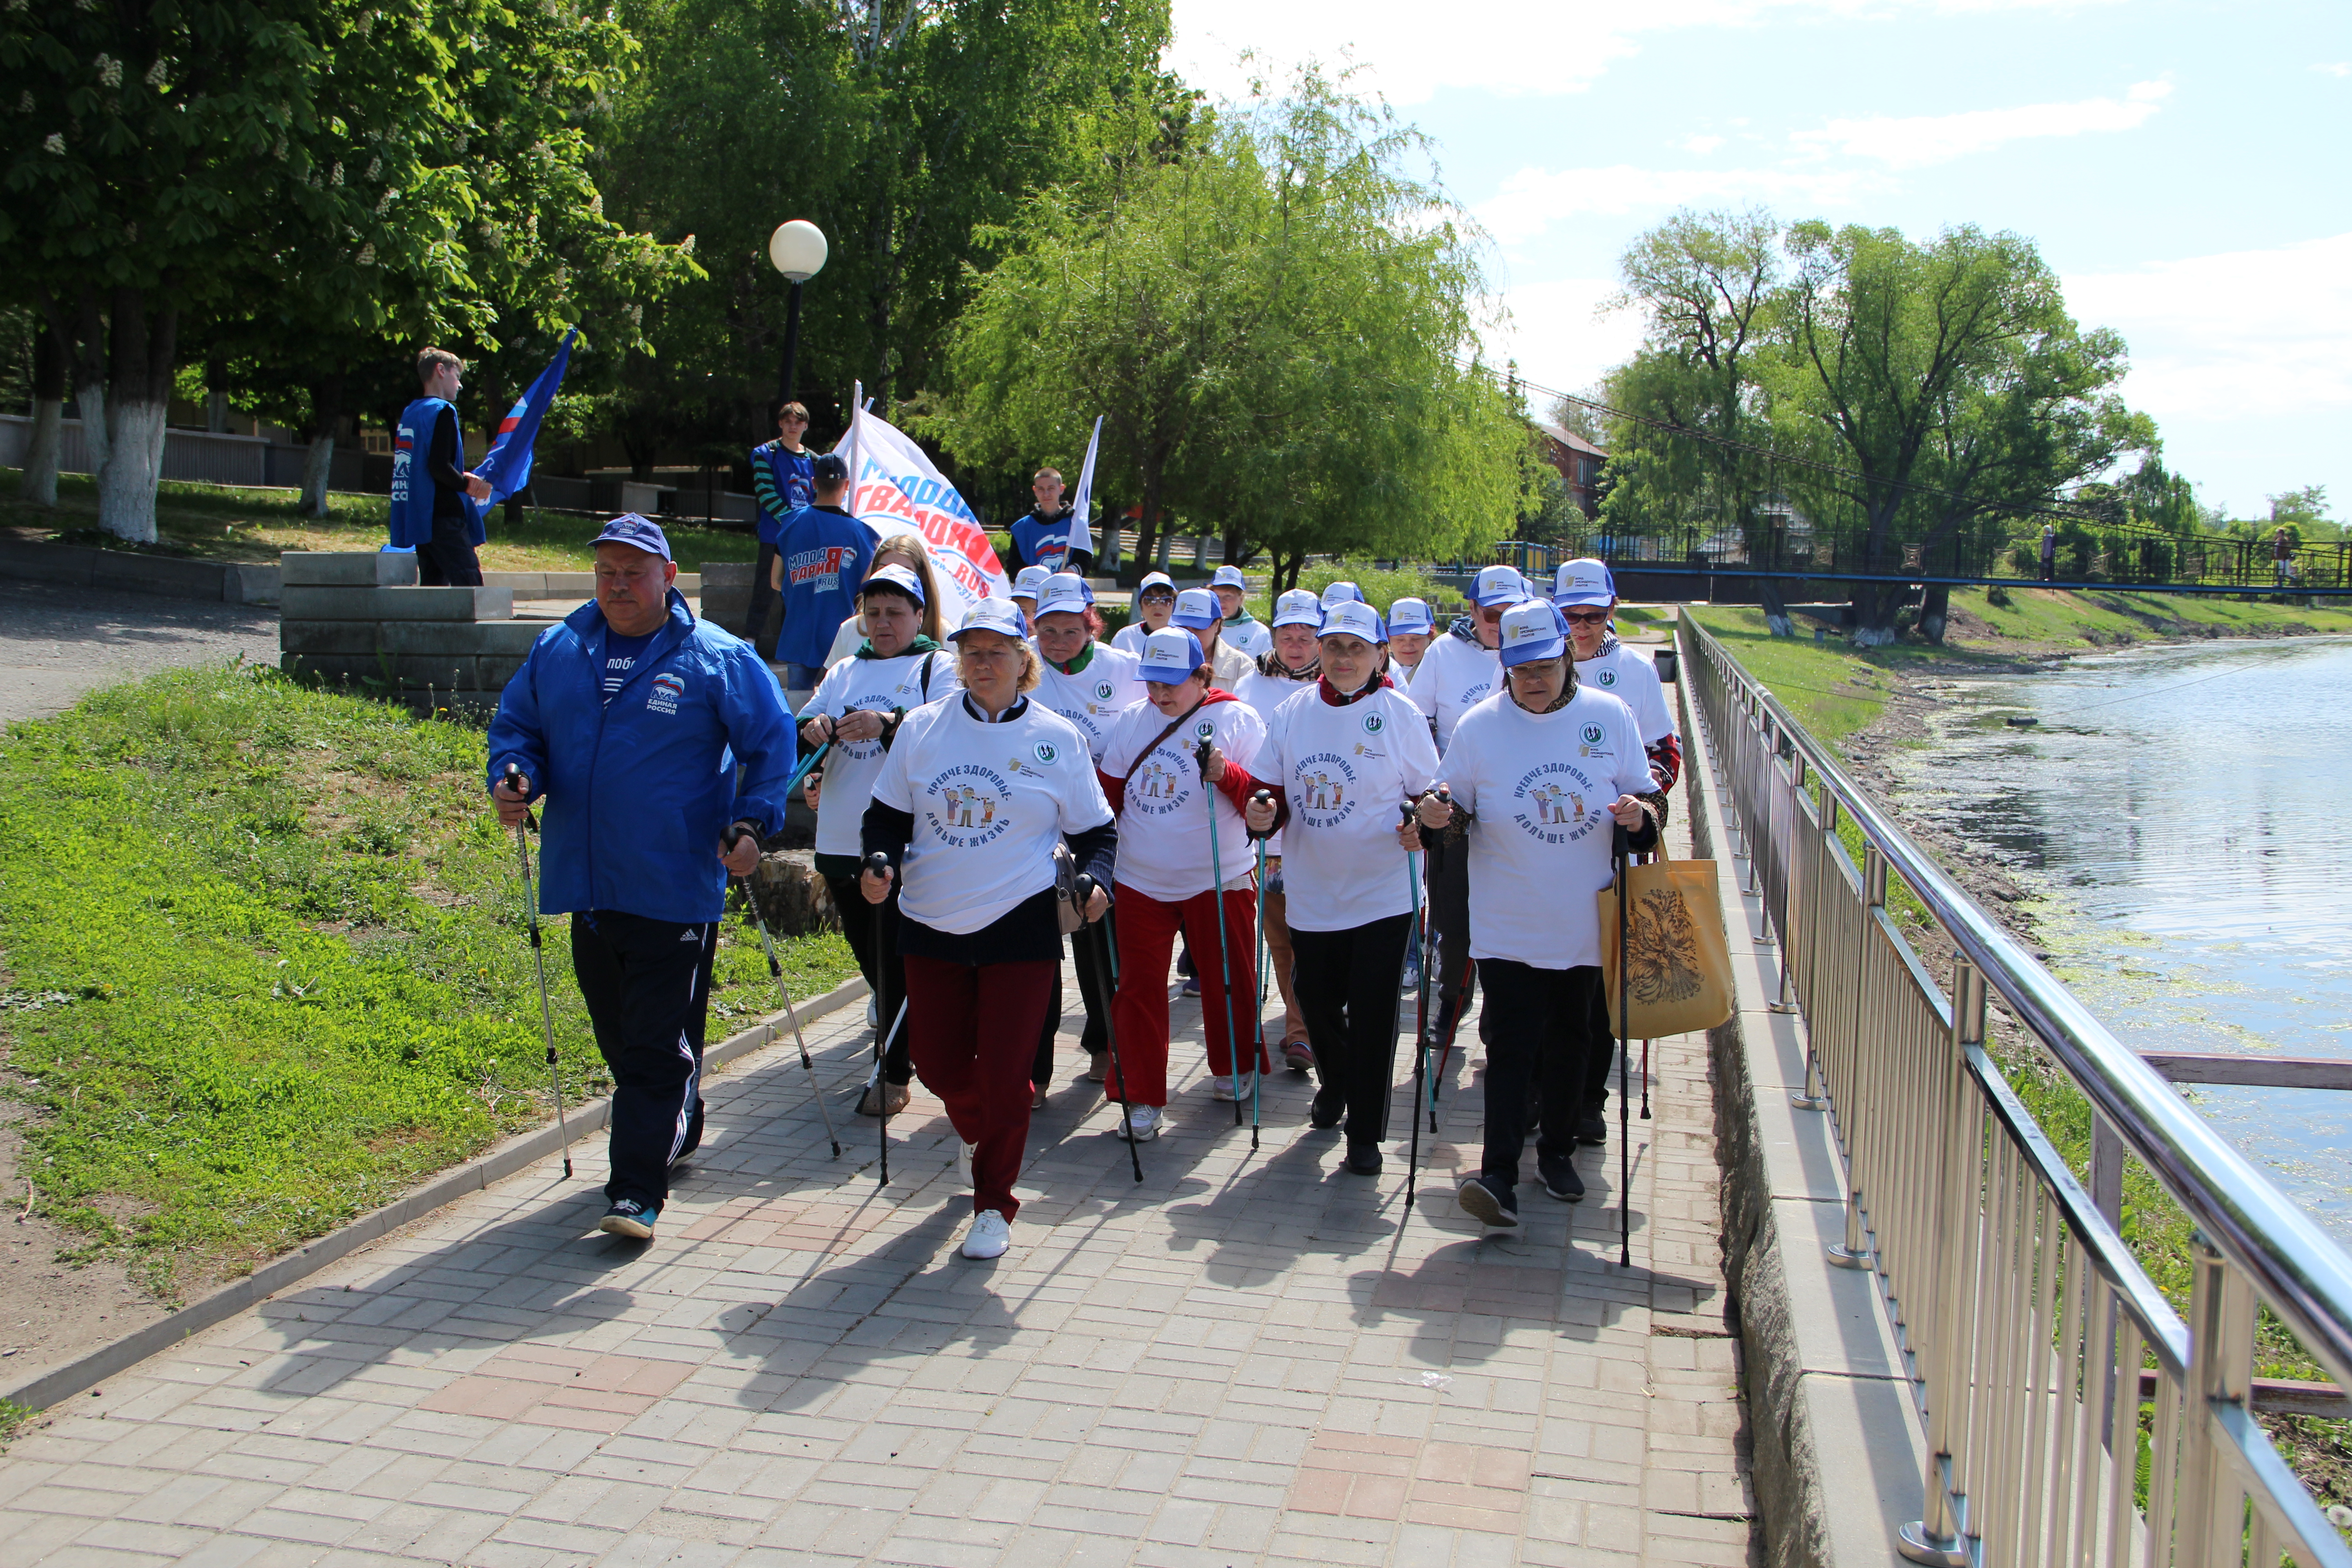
[(638, 790)]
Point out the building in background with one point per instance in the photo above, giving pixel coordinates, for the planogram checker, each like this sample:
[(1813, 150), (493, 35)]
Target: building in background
[(1579, 462)]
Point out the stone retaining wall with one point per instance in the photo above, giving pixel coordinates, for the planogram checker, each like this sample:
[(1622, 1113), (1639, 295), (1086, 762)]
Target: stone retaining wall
[(360, 619)]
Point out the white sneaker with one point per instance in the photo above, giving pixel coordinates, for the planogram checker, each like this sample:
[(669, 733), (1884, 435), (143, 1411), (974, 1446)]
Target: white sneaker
[(965, 1152), (873, 1012), (990, 1235), (1224, 1088), (1143, 1122)]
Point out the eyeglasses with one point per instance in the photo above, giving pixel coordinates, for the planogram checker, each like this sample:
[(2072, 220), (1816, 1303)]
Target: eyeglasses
[(1159, 598), (1589, 618)]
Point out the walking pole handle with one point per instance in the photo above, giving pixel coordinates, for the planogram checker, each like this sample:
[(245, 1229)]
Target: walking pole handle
[(514, 782)]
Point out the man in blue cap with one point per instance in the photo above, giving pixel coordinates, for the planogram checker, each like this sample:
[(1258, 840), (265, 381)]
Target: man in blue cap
[(822, 555), (628, 722)]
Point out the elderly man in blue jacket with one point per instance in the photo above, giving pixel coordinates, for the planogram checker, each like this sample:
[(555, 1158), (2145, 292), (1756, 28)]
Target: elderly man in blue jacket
[(629, 720)]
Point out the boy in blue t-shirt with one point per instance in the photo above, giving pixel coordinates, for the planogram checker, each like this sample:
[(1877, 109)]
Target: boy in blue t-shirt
[(822, 555)]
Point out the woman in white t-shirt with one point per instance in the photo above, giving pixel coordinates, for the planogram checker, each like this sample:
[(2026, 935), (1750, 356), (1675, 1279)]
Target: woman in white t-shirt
[(1410, 625), (1344, 754), (1162, 754), (1154, 602), (1541, 773), (904, 550), (858, 706), (1090, 684), (1288, 665), (976, 792)]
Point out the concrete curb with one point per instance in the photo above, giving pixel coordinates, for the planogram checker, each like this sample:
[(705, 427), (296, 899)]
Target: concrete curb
[(86, 1371), (1838, 1448), (81, 566)]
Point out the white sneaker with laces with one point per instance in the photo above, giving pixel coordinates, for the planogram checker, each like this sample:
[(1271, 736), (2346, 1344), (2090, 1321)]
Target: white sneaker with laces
[(990, 1235), (1144, 1121), (1224, 1088), (965, 1152)]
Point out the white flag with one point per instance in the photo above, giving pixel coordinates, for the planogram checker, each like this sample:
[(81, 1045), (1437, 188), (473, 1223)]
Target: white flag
[(894, 488), (1081, 536)]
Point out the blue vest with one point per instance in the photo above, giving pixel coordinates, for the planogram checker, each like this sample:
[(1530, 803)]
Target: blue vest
[(413, 489)]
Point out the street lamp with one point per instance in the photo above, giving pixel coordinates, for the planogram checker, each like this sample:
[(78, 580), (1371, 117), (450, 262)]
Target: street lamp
[(798, 249)]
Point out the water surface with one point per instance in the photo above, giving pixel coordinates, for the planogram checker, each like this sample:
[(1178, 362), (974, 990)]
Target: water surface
[(2187, 810)]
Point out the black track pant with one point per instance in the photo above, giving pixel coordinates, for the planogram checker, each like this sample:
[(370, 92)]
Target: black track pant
[(1347, 985), (1542, 1031), (1094, 991), (1454, 976), (885, 971), (647, 986), (447, 559)]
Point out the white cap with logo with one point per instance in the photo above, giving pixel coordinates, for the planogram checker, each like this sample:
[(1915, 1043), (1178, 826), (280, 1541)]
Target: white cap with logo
[(997, 615), (1584, 582), (1499, 585), (1298, 607), (1062, 593), (1028, 581), (1530, 631), (1353, 617), (1170, 655)]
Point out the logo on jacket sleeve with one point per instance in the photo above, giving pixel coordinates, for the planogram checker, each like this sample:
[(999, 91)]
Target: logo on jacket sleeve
[(663, 695)]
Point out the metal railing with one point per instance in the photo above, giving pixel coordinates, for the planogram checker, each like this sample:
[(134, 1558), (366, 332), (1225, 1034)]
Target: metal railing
[(2024, 1320)]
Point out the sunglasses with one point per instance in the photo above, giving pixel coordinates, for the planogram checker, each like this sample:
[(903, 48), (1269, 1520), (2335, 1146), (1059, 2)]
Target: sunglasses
[(1589, 618)]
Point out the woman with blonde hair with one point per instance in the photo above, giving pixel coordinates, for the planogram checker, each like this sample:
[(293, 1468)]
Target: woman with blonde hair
[(906, 550)]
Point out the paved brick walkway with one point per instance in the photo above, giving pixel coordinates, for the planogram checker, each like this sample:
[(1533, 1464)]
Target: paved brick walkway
[(1249, 1358)]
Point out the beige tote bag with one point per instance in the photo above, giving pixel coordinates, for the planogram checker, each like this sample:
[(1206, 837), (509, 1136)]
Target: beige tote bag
[(1680, 960)]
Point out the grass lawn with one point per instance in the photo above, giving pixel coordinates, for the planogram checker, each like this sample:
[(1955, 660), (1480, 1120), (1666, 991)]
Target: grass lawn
[(264, 967), (225, 522), (2078, 618)]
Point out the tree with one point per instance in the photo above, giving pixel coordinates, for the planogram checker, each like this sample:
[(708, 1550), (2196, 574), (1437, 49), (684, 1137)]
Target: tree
[(1947, 383), (1273, 318)]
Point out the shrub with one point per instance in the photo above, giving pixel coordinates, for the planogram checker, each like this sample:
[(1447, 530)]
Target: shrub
[(1382, 587)]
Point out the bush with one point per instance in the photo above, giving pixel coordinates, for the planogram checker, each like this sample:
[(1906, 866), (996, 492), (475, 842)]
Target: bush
[(1382, 587)]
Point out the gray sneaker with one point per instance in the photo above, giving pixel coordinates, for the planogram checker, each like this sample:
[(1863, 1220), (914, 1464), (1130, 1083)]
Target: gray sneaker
[(1487, 1203)]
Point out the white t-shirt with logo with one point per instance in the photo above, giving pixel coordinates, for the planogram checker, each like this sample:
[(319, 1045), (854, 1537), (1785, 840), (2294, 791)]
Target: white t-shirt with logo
[(1632, 678), (1541, 785), (1251, 636), (1345, 770), (1163, 829), (1266, 693), (1129, 637), (989, 802), (1096, 696), (873, 686), (1453, 677)]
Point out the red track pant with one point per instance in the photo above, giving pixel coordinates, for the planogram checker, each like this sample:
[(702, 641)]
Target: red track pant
[(1146, 931), (973, 1030)]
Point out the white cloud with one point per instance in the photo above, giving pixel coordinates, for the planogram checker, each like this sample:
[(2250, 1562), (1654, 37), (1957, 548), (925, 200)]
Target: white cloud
[(1909, 142), (2335, 68), (2247, 332), (1558, 335), (1511, 46), (1702, 145), (1532, 200)]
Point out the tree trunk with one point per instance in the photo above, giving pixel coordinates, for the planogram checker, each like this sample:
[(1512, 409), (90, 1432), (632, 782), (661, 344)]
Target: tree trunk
[(317, 468), (89, 399), (1776, 606), (140, 380), (1147, 525), (1935, 610), (1875, 604), (40, 485)]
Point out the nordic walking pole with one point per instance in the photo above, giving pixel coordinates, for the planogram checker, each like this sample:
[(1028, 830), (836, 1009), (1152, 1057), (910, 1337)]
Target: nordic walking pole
[(1446, 797), (1224, 953), (879, 864), (1085, 892), (802, 772), (1646, 1056), (1257, 1040), (1419, 1045), (538, 961), (776, 971), (1621, 845), (1421, 1011)]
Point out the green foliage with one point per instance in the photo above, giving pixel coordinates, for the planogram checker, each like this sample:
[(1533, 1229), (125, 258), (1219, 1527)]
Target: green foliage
[(1383, 587), (268, 965), (1272, 318), (13, 1417)]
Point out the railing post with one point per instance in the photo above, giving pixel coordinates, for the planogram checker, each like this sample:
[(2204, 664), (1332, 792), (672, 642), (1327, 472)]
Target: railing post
[(1792, 902), (1854, 1252), (2220, 1367), (1938, 1536)]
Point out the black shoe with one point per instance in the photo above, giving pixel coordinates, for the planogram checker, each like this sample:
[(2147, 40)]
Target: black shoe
[(1363, 1159), (1331, 1105), (1491, 1204), (1559, 1177), (1592, 1127)]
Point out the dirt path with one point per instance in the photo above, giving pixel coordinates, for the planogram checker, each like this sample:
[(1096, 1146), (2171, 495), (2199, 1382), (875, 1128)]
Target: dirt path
[(57, 642)]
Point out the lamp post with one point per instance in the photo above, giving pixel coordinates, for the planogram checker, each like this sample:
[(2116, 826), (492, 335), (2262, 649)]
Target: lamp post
[(798, 249)]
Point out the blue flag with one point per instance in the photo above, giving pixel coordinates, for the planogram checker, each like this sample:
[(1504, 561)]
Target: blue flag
[(507, 465)]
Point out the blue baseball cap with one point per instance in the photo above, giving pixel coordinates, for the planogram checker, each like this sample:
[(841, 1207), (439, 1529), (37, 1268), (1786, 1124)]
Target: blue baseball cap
[(1499, 585), (894, 575), (1196, 610), (1530, 631), (637, 533), (1026, 583), (1170, 656), (1298, 607), (1584, 582), (1229, 577), (1336, 593), (991, 615), (1409, 616), (1062, 593), (1353, 617)]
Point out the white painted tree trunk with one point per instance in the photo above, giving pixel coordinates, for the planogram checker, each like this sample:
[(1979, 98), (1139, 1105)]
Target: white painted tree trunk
[(317, 469), (126, 486), (40, 483), (1874, 637), (91, 400), (1782, 626)]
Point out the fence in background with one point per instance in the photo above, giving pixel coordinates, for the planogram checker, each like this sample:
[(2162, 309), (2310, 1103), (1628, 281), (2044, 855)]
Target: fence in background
[(2047, 1367)]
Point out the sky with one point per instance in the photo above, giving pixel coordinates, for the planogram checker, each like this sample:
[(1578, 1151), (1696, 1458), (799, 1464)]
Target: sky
[(2180, 164)]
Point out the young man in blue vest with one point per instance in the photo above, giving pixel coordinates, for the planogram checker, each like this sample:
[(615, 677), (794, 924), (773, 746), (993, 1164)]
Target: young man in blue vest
[(822, 555), (628, 722), (1042, 537), (782, 483), (436, 499)]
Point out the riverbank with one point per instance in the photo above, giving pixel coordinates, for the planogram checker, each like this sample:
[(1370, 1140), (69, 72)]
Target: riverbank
[(1875, 710)]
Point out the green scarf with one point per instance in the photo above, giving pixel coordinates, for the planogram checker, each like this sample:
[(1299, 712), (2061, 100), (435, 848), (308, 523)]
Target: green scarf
[(1086, 658), (921, 645)]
